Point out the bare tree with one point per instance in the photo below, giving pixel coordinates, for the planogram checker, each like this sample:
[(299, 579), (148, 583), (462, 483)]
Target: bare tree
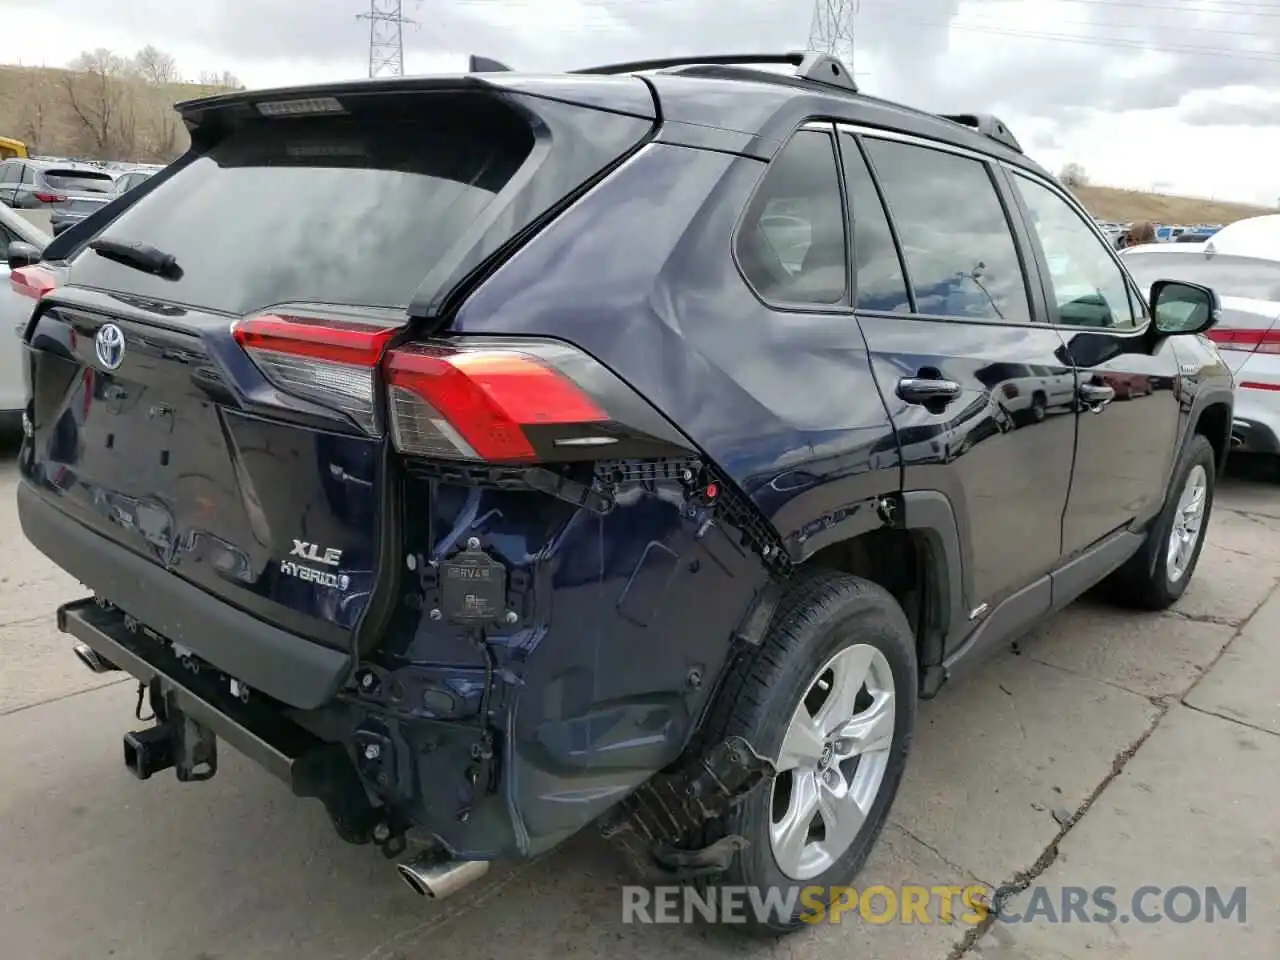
[(161, 131), (97, 85), (33, 108), (156, 67), (212, 78), (1073, 175)]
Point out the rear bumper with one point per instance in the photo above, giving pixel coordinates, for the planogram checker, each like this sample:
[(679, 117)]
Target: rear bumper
[(259, 733), (271, 661)]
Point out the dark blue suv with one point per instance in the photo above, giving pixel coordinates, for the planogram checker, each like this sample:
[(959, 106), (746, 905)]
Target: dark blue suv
[(496, 455)]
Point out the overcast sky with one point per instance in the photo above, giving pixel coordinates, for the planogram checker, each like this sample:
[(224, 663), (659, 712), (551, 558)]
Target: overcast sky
[(1177, 95)]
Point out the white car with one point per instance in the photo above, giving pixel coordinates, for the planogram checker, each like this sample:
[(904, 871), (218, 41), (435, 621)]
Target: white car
[(1242, 263), (15, 310)]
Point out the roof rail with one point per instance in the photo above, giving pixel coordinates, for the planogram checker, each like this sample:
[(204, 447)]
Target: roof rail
[(479, 64), (988, 126), (810, 65)]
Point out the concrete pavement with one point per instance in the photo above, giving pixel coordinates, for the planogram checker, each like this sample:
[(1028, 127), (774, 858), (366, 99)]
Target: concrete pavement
[(1113, 748)]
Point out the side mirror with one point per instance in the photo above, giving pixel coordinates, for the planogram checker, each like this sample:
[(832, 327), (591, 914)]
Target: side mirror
[(22, 254), (1181, 308)]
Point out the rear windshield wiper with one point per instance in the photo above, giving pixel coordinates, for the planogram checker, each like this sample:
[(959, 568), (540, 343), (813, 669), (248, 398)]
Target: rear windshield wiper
[(141, 256)]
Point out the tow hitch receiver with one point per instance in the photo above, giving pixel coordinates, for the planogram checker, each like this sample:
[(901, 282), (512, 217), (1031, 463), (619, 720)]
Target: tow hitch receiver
[(175, 741)]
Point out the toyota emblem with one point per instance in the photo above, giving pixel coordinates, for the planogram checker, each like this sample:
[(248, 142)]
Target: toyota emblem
[(109, 346)]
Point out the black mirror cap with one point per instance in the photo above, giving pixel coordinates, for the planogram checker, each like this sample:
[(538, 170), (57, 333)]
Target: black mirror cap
[(22, 254), (1187, 307)]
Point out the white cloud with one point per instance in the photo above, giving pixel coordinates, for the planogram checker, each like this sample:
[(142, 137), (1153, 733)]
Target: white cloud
[(1182, 93)]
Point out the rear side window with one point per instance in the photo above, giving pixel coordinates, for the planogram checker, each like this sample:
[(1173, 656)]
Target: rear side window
[(955, 236), (879, 281), (352, 210), (791, 245), (78, 181)]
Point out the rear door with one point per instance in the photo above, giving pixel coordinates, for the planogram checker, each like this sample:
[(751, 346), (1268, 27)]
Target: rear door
[(1129, 420), (974, 385)]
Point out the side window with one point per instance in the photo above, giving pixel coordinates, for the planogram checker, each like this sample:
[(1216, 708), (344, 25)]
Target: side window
[(954, 233), (791, 245), (29, 176), (879, 282), (1089, 288), (8, 173)]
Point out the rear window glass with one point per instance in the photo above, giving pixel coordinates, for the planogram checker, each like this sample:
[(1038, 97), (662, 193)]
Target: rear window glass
[(79, 181), (352, 210), (1229, 276)]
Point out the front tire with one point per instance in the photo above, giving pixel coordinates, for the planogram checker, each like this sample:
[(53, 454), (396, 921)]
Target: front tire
[(1158, 574), (830, 698)]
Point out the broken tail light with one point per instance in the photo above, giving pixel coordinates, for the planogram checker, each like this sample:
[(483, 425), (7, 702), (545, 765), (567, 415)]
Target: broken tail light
[(519, 400)]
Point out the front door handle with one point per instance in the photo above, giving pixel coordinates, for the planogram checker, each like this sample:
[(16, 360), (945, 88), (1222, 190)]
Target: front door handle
[(1096, 395), (926, 390)]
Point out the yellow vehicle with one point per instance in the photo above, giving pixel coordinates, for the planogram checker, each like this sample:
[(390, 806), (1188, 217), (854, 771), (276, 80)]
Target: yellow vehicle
[(12, 148)]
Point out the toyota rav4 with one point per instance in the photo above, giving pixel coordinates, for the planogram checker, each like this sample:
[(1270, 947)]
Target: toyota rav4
[(496, 455)]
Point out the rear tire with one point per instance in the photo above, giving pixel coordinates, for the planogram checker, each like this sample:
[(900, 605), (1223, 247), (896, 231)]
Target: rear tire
[(829, 629), (1158, 574)]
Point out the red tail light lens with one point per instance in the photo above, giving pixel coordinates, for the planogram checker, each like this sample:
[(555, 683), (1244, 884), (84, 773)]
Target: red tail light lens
[(49, 197), (1250, 341), (475, 403), (329, 360), (33, 281), (505, 401)]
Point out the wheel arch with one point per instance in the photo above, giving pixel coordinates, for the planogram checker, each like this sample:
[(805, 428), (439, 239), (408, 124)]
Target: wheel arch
[(909, 544)]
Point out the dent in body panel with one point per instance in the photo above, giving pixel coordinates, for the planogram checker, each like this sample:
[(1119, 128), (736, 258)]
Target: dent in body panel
[(783, 401), (602, 682)]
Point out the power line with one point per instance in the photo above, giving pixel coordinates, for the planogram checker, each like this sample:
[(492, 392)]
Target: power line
[(386, 38)]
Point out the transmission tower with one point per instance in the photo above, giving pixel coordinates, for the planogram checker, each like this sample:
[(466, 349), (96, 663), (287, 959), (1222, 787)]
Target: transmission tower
[(386, 39), (831, 30)]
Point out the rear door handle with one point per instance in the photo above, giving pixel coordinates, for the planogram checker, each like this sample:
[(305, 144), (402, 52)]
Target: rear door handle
[(927, 390), (1096, 395)]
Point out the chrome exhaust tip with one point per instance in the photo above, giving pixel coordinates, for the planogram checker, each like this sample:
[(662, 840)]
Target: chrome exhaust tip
[(430, 876), (92, 659)]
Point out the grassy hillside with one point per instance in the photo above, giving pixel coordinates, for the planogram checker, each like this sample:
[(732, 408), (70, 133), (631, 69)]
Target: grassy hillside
[(1111, 203), (107, 115)]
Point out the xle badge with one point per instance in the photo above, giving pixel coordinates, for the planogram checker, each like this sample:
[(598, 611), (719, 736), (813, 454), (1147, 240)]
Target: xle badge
[(314, 553)]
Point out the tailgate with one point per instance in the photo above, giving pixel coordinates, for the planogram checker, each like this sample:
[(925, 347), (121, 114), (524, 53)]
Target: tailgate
[(184, 414), (277, 517)]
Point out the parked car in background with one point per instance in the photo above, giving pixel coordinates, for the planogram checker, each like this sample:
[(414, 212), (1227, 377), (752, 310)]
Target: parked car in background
[(69, 191), (1247, 281), (131, 178), (15, 311)]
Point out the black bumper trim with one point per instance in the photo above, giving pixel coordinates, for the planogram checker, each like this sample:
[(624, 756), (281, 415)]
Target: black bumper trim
[(289, 668), (262, 734)]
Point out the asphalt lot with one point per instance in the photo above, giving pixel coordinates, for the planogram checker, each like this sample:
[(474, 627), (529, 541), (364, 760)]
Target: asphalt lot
[(1112, 748)]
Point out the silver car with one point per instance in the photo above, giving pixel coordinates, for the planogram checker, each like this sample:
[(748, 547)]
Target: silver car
[(15, 310), (1247, 280)]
